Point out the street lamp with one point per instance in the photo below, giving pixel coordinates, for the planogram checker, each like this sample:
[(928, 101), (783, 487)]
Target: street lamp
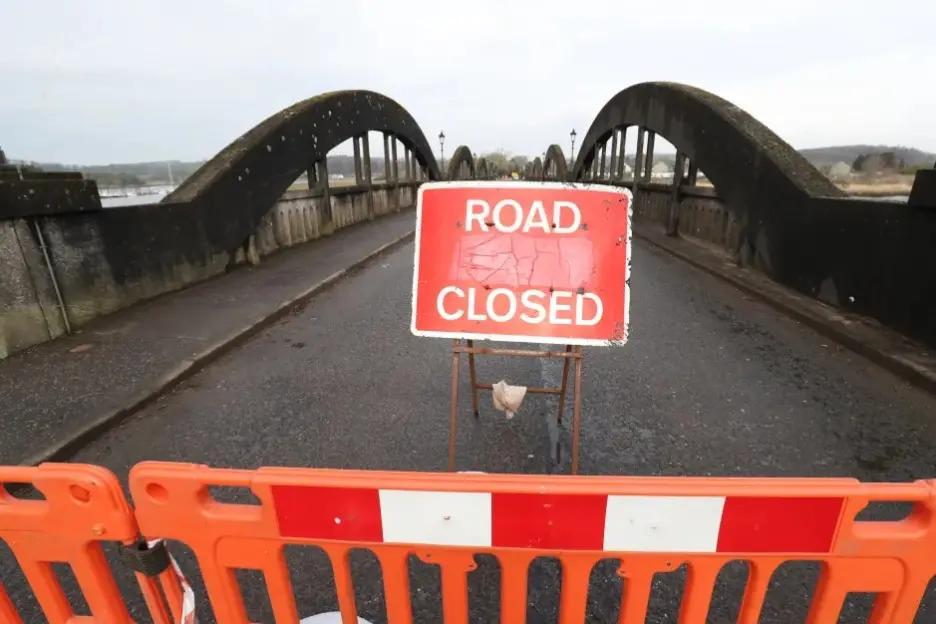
[(572, 136), (442, 151)]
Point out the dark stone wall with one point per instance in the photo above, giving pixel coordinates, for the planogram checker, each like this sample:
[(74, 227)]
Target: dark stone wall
[(923, 193), (873, 258), (163, 248), (28, 192)]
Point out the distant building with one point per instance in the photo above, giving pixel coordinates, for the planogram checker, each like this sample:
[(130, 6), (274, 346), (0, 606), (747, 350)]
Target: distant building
[(840, 170), (661, 170)]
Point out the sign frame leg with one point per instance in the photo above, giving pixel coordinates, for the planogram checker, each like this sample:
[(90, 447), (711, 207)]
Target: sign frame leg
[(576, 406), (572, 352), (565, 382), (453, 413), (474, 379)]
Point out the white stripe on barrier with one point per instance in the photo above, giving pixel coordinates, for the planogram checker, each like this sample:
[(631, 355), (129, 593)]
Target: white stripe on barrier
[(438, 518), (663, 523)]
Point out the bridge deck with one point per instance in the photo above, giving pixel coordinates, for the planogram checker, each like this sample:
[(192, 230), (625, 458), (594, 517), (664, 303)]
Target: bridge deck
[(711, 383)]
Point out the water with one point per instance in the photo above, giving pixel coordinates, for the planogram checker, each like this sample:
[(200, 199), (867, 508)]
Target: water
[(131, 200), (144, 195)]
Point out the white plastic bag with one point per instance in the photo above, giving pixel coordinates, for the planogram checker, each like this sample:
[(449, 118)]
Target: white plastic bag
[(508, 398)]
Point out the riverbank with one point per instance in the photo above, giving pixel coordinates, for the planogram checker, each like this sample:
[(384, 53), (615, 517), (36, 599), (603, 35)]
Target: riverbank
[(876, 190), (889, 189)]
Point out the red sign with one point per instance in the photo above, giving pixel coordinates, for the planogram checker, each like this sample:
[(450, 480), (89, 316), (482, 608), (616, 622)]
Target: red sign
[(541, 262)]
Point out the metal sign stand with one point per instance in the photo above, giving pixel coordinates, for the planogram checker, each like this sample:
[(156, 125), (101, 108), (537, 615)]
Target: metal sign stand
[(572, 352)]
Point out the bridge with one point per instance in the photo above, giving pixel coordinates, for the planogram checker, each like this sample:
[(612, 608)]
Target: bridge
[(780, 328)]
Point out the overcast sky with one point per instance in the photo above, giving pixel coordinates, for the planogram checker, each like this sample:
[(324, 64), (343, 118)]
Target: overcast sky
[(102, 81)]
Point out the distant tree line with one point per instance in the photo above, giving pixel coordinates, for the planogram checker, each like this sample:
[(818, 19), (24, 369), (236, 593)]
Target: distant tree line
[(878, 162), (886, 162)]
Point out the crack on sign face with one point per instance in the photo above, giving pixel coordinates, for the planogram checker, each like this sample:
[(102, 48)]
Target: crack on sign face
[(514, 260), (474, 266)]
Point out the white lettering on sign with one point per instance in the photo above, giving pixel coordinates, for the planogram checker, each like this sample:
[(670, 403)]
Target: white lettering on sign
[(509, 216), (535, 307)]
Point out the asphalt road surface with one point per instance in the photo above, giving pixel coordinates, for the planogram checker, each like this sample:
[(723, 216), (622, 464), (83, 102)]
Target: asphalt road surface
[(711, 383)]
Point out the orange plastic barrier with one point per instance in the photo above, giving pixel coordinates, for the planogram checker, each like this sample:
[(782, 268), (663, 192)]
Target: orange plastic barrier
[(83, 506), (652, 524)]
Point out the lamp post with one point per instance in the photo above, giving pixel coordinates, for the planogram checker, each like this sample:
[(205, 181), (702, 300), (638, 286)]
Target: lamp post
[(572, 136), (442, 151)]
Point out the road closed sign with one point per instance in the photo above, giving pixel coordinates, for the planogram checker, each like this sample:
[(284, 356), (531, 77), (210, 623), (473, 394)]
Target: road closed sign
[(542, 262)]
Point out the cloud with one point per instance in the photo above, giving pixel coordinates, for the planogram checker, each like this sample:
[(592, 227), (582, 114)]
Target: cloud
[(110, 80)]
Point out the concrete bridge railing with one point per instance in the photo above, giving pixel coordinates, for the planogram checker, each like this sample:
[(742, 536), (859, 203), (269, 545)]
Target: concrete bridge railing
[(297, 217), (57, 277), (702, 214)]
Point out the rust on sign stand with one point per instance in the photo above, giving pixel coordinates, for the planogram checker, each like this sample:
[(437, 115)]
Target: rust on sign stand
[(572, 352), (542, 263)]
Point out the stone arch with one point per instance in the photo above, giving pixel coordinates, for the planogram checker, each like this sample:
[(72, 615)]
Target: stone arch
[(536, 168), (494, 169), (755, 172), (482, 171), (460, 159), (236, 188), (555, 167)]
